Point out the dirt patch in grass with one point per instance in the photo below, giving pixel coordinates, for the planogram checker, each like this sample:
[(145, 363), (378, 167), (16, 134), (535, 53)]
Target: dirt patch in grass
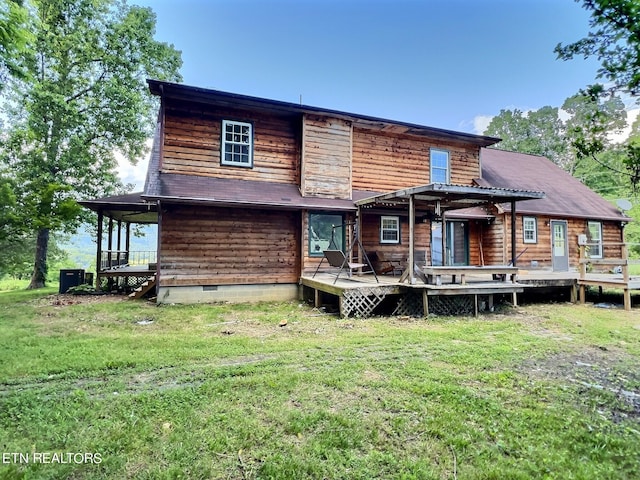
[(65, 300), (605, 378)]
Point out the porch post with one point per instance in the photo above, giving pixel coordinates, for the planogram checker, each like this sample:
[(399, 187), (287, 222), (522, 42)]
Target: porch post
[(119, 240), (99, 250), (127, 241), (513, 233), (412, 221), (110, 244)]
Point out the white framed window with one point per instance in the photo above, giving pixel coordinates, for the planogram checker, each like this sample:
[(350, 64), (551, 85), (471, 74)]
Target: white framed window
[(529, 230), (389, 229), (237, 144), (594, 239), (439, 160)]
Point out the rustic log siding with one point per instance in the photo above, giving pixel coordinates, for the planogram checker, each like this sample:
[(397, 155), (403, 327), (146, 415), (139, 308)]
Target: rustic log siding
[(371, 238), (384, 162), (192, 137), (497, 241), (326, 157), (220, 246)]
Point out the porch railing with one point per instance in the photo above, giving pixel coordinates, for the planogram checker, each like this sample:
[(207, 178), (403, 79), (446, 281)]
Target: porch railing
[(119, 258)]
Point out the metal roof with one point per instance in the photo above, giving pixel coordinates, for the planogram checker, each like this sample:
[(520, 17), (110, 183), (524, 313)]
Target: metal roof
[(451, 197), (127, 208), (195, 189), (566, 196)]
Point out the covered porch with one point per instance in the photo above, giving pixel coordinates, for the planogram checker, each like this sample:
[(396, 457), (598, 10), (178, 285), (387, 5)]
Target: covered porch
[(431, 203), (117, 265)]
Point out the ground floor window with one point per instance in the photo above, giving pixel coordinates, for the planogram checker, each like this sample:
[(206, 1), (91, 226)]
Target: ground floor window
[(389, 229), (594, 239), (529, 230), (326, 232)]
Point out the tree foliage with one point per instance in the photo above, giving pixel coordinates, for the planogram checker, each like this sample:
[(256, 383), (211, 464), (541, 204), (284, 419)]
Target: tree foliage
[(84, 98), (614, 40), (577, 137), (14, 37)]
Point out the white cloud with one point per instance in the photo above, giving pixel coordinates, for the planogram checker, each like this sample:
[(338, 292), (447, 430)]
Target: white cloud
[(620, 137), (480, 123), (135, 174)]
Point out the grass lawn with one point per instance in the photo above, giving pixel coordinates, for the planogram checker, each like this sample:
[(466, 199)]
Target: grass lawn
[(103, 388)]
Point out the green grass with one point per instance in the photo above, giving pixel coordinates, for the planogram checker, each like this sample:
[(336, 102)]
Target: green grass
[(220, 391)]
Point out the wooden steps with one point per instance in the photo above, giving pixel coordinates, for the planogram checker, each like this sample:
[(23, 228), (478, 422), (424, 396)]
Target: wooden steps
[(143, 289)]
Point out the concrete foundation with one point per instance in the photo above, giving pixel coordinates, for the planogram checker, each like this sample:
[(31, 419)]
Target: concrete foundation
[(229, 293)]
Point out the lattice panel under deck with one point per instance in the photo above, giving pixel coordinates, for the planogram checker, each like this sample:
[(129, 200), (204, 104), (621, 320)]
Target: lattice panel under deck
[(361, 302), (451, 305), (410, 305)]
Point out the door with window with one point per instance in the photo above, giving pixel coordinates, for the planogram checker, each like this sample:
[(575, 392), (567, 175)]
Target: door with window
[(559, 246), (457, 243)]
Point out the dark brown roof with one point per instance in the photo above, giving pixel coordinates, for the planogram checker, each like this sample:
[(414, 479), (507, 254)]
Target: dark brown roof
[(128, 208), (216, 97), (566, 196), (194, 189)]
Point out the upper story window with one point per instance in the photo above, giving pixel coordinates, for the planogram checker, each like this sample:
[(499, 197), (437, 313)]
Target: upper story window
[(594, 239), (439, 166), (529, 230), (389, 229), (237, 144)]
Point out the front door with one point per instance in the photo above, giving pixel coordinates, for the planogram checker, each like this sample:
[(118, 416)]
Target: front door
[(559, 246)]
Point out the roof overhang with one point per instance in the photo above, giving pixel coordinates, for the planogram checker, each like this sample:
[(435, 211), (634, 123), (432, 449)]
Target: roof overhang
[(129, 208), (186, 93), (449, 197)]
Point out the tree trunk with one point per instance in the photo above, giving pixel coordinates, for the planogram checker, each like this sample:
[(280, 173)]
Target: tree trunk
[(40, 266)]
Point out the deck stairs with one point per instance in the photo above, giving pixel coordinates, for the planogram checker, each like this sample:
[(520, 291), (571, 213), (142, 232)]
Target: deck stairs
[(143, 289)]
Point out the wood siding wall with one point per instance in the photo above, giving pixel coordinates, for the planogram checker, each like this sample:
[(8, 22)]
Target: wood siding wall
[(192, 137), (326, 157), (371, 238), (221, 246), (384, 162), (496, 241)]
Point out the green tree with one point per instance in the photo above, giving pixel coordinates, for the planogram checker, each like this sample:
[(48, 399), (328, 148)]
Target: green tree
[(614, 40), (14, 37), (539, 132), (84, 99)]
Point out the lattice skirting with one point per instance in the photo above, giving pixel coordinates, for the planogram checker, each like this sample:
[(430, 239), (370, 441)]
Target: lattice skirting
[(410, 305), (451, 305), (361, 302), (124, 283)]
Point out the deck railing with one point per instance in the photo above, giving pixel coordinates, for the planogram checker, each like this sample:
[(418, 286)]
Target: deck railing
[(119, 258)]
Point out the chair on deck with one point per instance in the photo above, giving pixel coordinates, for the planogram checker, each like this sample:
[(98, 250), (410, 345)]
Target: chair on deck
[(384, 264), (338, 259)]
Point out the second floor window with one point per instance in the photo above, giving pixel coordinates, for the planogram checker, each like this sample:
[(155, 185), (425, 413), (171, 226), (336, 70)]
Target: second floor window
[(237, 144), (439, 166)]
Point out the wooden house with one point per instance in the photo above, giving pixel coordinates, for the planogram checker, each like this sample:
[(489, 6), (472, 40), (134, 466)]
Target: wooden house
[(249, 192)]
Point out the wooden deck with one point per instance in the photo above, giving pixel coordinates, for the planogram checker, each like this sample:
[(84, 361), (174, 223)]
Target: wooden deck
[(125, 278), (360, 295)]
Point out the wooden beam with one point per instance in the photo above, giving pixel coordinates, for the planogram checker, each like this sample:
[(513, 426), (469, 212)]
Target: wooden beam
[(412, 240), (99, 250), (514, 254)]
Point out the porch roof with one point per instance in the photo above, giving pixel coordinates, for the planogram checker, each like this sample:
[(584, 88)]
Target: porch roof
[(127, 208), (450, 197)]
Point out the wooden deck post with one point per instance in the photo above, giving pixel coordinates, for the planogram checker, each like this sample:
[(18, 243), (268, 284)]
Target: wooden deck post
[(412, 221), (425, 303), (99, 249), (514, 254)]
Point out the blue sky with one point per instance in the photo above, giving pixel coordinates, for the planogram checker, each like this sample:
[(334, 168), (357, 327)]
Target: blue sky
[(448, 64)]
